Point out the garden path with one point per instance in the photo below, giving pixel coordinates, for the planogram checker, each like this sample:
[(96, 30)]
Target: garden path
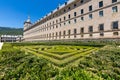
[(1, 44)]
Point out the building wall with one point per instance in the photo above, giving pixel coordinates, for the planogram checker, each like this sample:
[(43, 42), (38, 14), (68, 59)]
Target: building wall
[(10, 38), (45, 31)]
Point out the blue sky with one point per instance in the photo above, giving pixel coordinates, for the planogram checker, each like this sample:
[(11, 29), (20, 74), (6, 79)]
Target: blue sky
[(13, 13)]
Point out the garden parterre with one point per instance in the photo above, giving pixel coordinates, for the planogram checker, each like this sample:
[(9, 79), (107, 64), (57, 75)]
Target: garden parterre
[(33, 61)]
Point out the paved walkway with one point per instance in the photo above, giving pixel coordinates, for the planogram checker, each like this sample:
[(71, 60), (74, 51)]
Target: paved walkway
[(1, 44)]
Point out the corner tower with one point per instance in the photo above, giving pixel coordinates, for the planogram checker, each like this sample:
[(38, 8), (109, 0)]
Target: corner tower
[(27, 23)]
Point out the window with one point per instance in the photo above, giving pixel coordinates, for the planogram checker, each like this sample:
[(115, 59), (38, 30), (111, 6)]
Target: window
[(100, 4), (82, 18), (101, 34), (69, 22), (56, 26), (115, 33), (90, 29), (82, 35), (56, 34), (90, 16), (75, 14), (68, 8), (69, 16), (56, 21), (64, 23), (114, 9), (60, 25), (69, 32), (53, 35), (59, 34), (75, 20), (113, 1), (60, 19), (90, 8), (101, 27), (65, 3), (90, 35), (75, 5), (75, 32), (64, 33), (81, 1), (115, 25), (64, 18), (82, 30), (101, 13), (64, 10), (82, 11)]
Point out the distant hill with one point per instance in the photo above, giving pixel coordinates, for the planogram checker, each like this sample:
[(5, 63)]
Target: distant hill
[(11, 31)]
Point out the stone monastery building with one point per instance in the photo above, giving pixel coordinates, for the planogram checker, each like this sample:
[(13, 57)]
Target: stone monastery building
[(77, 19)]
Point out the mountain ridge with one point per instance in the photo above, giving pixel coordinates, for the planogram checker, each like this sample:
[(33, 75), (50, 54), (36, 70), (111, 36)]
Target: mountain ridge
[(10, 31)]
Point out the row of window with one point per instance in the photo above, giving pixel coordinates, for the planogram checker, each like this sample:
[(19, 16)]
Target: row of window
[(101, 14), (115, 26), (101, 4), (55, 35)]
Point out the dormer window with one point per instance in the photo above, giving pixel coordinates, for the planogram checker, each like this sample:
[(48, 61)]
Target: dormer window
[(81, 1)]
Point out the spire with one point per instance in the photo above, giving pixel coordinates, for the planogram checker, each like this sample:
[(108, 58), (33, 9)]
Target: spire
[(28, 20)]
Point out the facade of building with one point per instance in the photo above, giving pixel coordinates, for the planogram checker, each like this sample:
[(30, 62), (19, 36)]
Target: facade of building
[(10, 38), (77, 19)]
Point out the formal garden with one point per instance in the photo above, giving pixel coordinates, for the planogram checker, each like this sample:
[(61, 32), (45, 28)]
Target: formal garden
[(60, 61)]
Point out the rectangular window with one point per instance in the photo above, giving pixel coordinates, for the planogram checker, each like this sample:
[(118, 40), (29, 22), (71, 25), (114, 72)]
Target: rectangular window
[(64, 23), (114, 9), (81, 1), (64, 18), (64, 33), (60, 19), (69, 22), (69, 32), (101, 34), (101, 27), (75, 14), (82, 18), (90, 16), (113, 1), (100, 4), (90, 35), (90, 8), (75, 5), (68, 8), (56, 34), (115, 33), (64, 10), (69, 16), (90, 29), (75, 32), (82, 30), (101, 14), (59, 34), (82, 11), (75, 20), (60, 25), (115, 25)]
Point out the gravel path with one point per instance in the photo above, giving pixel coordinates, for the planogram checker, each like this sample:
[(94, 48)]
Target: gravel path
[(1, 44)]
